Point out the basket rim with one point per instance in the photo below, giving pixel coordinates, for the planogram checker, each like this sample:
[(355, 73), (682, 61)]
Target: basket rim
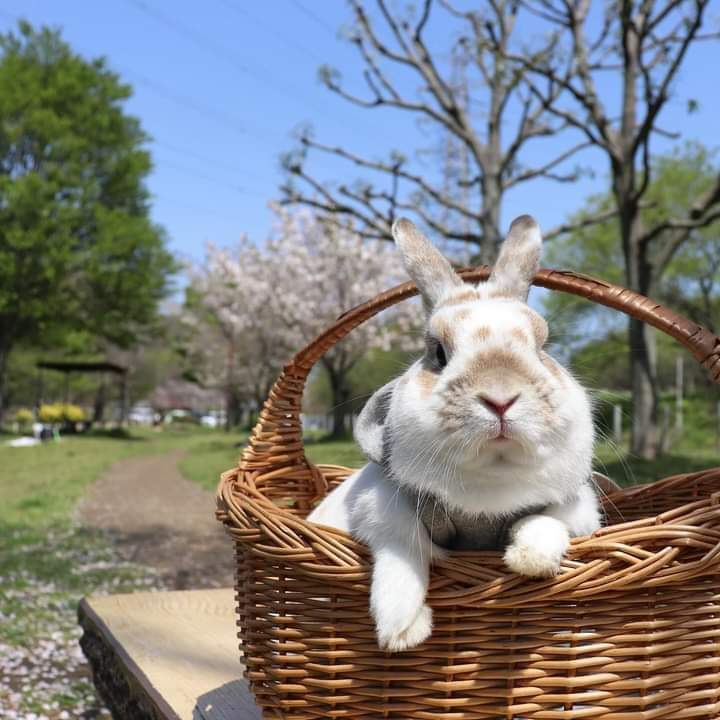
[(612, 558)]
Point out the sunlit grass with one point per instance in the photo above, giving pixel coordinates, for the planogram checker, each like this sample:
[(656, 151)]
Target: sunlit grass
[(207, 459), (48, 562)]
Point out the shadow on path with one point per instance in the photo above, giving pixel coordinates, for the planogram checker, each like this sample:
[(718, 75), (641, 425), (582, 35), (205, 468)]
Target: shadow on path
[(153, 516)]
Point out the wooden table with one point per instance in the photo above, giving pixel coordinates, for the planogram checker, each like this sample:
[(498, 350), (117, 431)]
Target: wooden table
[(163, 655)]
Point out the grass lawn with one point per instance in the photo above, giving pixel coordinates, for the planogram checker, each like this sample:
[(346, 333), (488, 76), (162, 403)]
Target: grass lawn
[(210, 456), (626, 469), (207, 458), (47, 563)]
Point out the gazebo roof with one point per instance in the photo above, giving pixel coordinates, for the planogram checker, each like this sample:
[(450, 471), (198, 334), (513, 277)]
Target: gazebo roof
[(78, 366)]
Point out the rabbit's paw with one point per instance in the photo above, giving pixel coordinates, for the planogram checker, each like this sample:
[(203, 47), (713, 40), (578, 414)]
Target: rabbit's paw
[(538, 545), (396, 633)]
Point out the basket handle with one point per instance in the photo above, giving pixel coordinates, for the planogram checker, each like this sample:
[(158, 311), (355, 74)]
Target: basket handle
[(276, 439)]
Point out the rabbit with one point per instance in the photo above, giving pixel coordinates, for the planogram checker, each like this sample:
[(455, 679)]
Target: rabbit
[(485, 442)]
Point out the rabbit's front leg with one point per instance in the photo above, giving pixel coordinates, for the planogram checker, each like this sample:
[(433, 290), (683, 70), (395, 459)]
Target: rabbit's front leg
[(537, 546), (384, 518), (538, 543), (397, 596)]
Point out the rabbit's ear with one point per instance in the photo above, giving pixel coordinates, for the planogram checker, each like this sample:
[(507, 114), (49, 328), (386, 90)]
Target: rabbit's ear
[(425, 264), (519, 258), (370, 425)]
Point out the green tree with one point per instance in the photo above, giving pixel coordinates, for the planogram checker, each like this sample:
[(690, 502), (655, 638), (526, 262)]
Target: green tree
[(639, 49), (686, 279), (77, 248), (371, 371)]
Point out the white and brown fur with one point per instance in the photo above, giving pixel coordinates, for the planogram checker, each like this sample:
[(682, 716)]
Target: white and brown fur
[(430, 430)]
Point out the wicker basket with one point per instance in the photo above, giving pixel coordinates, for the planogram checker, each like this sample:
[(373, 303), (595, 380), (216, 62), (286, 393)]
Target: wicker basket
[(630, 629)]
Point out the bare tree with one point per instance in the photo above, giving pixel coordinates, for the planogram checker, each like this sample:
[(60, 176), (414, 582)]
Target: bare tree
[(490, 131), (643, 44)]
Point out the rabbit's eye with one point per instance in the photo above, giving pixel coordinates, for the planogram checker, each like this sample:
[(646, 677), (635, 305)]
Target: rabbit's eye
[(440, 355)]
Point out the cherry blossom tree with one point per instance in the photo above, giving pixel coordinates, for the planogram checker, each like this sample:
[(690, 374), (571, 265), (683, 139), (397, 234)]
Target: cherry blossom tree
[(322, 270), (232, 337), (250, 308)]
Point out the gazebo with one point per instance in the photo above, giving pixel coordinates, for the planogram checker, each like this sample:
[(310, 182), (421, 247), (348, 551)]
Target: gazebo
[(70, 366)]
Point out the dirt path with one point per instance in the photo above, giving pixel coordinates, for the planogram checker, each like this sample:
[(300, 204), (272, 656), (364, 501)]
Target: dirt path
[(157, 518)]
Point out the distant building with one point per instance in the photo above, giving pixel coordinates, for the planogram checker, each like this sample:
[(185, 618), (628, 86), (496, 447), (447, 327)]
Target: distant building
[(176, 398)]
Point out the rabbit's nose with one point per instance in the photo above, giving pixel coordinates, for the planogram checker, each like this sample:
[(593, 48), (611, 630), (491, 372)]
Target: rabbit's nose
[(497, 406)]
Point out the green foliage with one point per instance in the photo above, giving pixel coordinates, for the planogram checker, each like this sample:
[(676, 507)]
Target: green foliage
[(77, 247), (603, 362), (23, 376), (372, 371), (679, 179), (185, 420)]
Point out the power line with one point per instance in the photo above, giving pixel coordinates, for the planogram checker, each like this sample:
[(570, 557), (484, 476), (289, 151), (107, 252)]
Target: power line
[(201, 109), (179, 204), (210, 46), (316, 18), (180, 29), (209, 161), (285, 39), (163, 91), (218, 116), (209, 178)]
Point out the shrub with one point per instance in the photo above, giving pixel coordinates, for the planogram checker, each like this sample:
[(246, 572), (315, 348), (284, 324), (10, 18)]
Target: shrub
[(51, 414), (24, 417), (184, 420), (73, 413), (61, 412)]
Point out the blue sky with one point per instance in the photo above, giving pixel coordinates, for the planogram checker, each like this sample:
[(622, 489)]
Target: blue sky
[(221, 85)]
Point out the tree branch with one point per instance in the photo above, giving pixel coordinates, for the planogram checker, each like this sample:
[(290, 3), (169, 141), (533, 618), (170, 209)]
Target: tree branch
[(579, 224), (397, 170), (544, 170), (325, 201), (702, 213), (655, 104)]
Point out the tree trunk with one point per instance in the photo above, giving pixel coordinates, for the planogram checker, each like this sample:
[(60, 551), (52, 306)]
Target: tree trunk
[(639, 272), (233, 408), (231, 395), (489, 223), (99, 405), (491, 188), (642, 350), (4, 354), (340, 398), (645, 417)]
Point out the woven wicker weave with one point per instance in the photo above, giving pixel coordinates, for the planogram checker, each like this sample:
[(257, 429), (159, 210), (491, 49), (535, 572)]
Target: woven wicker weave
[(630, 629)]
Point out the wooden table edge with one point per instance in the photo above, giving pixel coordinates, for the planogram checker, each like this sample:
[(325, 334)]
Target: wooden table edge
[(91, 623)]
